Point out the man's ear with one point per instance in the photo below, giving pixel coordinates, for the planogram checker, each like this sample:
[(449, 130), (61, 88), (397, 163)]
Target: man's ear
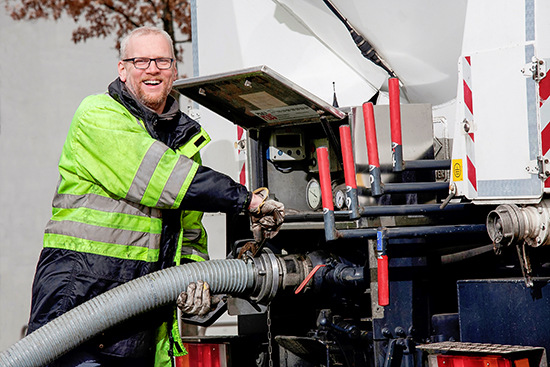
[(122, 72)]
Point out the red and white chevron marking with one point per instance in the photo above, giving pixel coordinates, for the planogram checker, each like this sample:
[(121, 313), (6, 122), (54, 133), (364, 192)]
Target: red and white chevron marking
[(544, 113), (469, 117)]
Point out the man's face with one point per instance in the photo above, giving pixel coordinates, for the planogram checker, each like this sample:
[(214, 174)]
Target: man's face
[(150, 86)]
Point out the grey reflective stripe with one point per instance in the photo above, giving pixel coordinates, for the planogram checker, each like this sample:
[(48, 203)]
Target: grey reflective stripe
[(104, 234), (188, 250), (146, 170), (529, 21), (192, 234), (530, 187), (106, 204), (140, 124), (175, 181)]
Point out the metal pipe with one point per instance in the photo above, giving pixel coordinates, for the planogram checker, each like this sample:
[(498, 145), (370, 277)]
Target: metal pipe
[(395, 122), (420, 231), (408, 187), (349, 172), (412, 232), (428, 164), (314, 217), (383, 210), (372, 149), (388, 210)]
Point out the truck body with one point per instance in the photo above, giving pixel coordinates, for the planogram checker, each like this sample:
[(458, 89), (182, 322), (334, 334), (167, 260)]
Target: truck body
[(418, 217)]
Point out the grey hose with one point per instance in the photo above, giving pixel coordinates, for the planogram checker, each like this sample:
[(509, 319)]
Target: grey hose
[(121, 303)]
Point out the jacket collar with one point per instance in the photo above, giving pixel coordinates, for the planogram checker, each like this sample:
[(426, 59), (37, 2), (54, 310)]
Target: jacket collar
[(172, 127)]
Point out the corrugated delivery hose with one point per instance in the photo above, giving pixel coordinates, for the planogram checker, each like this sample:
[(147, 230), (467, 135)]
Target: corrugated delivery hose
[(154, 290)]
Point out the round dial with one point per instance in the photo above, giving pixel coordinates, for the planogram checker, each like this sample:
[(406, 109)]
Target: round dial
[(339, 199), (313, 194)]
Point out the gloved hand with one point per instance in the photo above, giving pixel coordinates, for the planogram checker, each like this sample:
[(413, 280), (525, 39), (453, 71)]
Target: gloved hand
[(267, 217), (197, 299)]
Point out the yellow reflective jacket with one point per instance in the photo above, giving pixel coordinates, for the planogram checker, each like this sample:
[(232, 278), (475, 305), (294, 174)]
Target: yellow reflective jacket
[(119, 190)]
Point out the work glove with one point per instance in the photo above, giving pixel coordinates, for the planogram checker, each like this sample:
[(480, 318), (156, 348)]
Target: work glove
[(197, 299), (267, 217)]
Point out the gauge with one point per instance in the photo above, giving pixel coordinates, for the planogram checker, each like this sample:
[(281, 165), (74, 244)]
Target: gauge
[(313, 194), (339, 199)]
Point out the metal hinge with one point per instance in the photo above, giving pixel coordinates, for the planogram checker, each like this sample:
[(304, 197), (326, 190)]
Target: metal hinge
[(540, 167), (536, 69)]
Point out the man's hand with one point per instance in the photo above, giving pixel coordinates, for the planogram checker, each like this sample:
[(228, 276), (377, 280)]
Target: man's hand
[(196, 300), (266, 215)]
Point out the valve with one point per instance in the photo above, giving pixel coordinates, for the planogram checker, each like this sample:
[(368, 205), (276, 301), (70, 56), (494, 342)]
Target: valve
[(525, 227), (326, 321), (275, 273), (509, 224)]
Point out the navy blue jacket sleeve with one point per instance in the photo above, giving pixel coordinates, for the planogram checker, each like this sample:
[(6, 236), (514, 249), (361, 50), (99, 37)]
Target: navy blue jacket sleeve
[(213, 191)]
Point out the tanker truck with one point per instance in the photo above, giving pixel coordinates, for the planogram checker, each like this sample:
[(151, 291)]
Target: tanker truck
[(416, 221), (416, 229)]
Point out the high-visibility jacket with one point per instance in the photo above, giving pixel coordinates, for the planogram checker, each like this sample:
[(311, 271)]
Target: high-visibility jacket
[(126, 205), (115, 181)]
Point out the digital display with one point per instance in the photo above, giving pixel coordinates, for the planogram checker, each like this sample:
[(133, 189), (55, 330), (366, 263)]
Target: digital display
[(288, 140)]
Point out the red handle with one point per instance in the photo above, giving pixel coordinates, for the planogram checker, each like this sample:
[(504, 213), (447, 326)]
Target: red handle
[(383, 281), (370, 134), (395, 111), (308, 278), (347, 156), (324, 178)]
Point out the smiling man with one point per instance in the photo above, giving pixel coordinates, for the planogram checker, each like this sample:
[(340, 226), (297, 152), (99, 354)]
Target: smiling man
[(151, 78), (130, 201)]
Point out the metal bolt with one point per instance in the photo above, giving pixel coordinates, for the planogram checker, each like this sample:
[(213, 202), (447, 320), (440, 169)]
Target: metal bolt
[(466, 126), (399, 331)]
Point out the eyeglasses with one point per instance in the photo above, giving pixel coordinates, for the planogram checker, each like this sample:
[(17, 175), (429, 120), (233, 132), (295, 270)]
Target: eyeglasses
[(163, 63)]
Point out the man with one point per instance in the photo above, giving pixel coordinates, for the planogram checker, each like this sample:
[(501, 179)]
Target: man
[(130, 201)]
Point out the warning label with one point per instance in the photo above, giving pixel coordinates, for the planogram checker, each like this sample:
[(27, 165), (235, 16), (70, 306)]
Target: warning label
[(457, 170), (288, 113)]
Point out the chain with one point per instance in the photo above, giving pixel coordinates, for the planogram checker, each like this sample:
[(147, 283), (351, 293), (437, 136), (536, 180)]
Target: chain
[(269, 337)]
